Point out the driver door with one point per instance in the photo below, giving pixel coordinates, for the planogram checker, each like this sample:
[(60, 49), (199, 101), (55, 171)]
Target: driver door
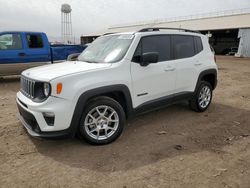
[(156, 80), (12, 54)]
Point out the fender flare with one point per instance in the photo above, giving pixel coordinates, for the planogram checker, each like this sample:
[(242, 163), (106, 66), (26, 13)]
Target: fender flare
[(204, 73), (84, 97)]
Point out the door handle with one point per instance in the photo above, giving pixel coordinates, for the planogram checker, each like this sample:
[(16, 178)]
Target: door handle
[(21, 54), (169, 68)]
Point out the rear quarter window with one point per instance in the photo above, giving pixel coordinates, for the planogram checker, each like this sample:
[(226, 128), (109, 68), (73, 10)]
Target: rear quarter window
[(198, 44)]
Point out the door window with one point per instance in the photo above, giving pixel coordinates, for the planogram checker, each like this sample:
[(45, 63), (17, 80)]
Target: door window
[(10, 42), (35, 41), (183, 46), (157, 43)]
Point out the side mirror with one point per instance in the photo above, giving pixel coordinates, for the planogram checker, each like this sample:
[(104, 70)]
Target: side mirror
[(148, 58)]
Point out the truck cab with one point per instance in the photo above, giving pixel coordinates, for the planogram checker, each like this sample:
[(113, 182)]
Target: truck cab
[(21, 50)]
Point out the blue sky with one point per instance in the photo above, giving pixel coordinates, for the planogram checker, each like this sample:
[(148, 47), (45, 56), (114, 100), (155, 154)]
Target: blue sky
[(94, 16)]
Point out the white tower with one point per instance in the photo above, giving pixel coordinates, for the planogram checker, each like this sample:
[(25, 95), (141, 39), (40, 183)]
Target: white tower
[(66, 24)]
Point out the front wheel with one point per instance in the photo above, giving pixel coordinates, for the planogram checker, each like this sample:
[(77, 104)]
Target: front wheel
[(203, 97), (102, 121)]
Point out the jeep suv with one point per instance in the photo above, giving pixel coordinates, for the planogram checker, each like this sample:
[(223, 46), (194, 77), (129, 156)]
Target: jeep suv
[(117, 76)]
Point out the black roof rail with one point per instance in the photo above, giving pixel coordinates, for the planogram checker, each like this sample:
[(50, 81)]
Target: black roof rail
[(150, 29), (109, 33)]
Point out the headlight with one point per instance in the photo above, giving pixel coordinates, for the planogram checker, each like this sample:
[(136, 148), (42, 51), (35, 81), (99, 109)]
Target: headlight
[(46, 89)]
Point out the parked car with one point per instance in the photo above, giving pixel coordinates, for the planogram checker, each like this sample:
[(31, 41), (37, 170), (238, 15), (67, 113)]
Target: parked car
[(232, 51), (116, 77), (23, 50)]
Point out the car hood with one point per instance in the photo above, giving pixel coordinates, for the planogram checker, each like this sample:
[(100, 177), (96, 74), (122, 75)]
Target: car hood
[(50, 72)]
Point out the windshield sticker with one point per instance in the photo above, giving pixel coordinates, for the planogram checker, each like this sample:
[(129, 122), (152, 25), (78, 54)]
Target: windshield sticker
[(126, 37)]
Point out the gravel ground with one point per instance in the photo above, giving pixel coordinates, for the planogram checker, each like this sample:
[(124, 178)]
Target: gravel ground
[(172, 147)]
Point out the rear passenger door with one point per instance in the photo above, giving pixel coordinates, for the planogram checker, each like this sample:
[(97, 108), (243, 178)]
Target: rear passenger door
[(155, 80), (38, 50), (186, 50)]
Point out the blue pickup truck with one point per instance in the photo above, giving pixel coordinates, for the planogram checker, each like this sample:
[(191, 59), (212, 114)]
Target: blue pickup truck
[(23, 50)]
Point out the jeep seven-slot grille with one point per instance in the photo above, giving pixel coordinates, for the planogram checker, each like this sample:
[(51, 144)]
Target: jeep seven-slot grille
[(28, 87)]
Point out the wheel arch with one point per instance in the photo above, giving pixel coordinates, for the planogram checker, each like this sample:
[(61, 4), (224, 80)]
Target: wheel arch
[(210, 76), (120, 93)]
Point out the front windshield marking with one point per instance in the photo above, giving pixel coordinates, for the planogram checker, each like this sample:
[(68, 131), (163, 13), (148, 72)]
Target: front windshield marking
[(107, 49)]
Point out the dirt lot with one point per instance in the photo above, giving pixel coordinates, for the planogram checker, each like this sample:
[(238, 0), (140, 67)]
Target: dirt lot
[(214, 146)]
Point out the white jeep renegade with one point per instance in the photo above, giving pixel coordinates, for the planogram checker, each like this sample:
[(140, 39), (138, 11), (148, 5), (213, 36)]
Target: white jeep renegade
[(117, 76)]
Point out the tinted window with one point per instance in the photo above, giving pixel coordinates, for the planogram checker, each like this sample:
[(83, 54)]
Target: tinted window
[(138, 53), (198, 45), (183, 46), (35, 41), (160, 44), (10, 42)]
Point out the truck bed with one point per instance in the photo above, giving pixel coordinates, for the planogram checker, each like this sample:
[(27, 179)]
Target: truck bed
[(61, 52)]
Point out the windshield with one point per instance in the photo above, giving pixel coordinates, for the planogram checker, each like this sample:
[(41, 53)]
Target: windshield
[(107, 49)]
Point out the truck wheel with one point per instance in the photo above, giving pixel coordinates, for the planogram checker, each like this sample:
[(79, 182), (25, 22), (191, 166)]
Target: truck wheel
[(202, 98), (102, 121)]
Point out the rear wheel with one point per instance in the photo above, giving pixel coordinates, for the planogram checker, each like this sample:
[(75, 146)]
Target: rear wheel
[(203, 97), (102, 121)]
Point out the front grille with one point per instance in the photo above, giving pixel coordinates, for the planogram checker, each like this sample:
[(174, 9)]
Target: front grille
[(28, 87)]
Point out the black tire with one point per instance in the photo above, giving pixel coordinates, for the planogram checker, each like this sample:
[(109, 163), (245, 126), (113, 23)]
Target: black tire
[(99, 102), (194, 102)]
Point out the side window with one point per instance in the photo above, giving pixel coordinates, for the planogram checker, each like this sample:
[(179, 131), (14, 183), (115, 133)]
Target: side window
[(183, 46), (34, 41), (160, 44), (10, 42), (198, 44)]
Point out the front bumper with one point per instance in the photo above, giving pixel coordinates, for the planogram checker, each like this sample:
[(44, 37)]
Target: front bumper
[(31, 116), (27, 126)]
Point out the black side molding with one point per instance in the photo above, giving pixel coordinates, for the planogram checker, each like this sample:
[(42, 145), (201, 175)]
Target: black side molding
[(162, 102)]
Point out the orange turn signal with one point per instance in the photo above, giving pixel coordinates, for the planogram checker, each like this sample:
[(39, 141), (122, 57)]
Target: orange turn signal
[(59, 88)]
